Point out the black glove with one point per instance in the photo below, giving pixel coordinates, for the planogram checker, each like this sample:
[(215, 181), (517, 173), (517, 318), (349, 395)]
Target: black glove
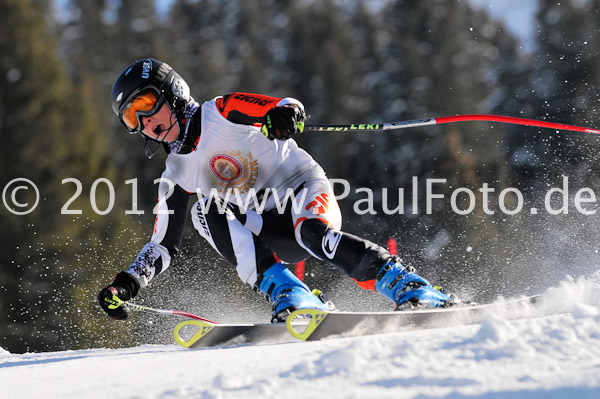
[(283, 123), (111, 298)]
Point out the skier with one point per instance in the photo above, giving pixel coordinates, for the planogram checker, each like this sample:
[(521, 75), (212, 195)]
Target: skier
[(223, 151)]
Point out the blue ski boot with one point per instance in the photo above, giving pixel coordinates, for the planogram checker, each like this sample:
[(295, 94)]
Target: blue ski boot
[(286, 292), (407, 289)]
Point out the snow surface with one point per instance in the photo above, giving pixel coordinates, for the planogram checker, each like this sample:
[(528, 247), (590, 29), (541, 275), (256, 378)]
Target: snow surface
[(555, 354)]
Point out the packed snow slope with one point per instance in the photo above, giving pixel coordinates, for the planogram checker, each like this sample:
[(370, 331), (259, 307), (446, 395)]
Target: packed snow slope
[(555, 354)]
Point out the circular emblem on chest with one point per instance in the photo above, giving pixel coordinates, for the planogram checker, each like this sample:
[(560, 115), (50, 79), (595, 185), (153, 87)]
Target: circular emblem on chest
[(225, 167)]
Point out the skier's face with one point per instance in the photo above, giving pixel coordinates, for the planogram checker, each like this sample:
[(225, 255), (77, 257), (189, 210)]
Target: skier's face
[(155, 126)]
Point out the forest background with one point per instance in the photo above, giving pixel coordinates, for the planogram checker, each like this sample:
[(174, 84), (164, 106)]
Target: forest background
[(348, 62)]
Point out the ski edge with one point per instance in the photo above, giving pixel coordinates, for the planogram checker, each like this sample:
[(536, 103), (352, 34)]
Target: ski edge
[(316, 317)]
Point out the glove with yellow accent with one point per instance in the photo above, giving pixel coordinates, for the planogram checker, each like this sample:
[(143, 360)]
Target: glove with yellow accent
[(111, 298), (283, 123)]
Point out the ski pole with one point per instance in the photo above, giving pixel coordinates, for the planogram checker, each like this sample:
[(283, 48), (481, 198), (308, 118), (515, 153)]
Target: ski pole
[(170, 312), (364, 127)]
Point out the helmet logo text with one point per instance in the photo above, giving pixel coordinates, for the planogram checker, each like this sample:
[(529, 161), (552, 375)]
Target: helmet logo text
[(146, 68)]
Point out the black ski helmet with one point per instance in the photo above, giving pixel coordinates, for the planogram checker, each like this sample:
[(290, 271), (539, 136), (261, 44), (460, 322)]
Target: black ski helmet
[(150, 74)]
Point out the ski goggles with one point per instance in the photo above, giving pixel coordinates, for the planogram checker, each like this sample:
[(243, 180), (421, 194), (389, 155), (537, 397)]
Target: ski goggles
[(145, 103)]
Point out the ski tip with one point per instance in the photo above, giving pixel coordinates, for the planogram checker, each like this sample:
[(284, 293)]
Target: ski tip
[(203, 328), (315, 318)]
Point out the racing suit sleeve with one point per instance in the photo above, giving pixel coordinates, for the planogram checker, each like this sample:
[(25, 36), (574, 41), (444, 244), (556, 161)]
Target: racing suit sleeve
[(171, 214), (249, 109)]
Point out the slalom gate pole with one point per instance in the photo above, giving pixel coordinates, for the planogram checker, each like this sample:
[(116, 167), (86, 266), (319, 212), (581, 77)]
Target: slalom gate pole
[(363, 127), (168, 312)]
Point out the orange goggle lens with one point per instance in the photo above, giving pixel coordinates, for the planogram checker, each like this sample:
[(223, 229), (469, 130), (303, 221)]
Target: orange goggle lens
[(141, 103)]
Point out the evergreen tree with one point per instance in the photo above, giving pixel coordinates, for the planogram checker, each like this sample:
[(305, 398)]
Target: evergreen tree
[(51, 133), (200, 53), (565, 89)]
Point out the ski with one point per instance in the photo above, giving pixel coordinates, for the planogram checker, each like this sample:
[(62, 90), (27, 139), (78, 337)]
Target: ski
[(322, 324), (313, 325), (202, 334)]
